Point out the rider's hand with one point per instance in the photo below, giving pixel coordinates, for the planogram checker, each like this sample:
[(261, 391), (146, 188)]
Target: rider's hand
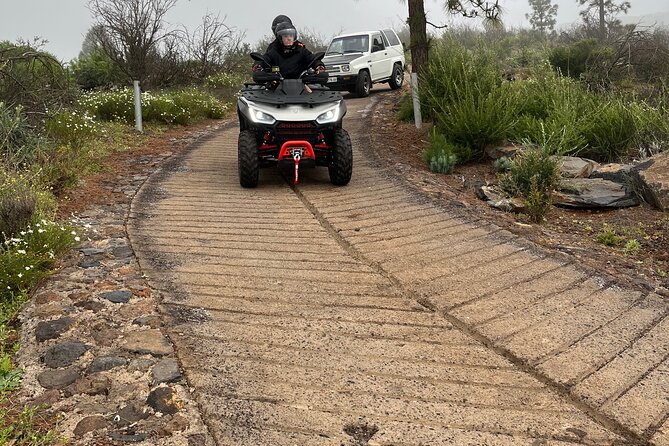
[(256, 67), (320, 69)]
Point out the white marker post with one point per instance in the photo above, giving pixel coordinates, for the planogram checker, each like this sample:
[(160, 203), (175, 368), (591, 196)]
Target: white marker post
[(138, 107), (416, 100)]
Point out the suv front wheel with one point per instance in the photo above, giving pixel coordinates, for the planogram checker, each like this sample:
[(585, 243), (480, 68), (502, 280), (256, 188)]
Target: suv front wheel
[(397, 78), (363, 84)]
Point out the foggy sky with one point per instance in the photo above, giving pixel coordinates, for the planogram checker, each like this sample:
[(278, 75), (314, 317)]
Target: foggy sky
[(65, 22)]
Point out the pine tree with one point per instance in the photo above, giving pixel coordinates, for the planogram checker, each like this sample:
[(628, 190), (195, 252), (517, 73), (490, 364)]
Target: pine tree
[(603, 14), (543, 16)]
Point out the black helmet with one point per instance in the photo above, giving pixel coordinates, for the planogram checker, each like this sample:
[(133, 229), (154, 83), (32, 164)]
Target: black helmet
[(285, 29), (280, 19)]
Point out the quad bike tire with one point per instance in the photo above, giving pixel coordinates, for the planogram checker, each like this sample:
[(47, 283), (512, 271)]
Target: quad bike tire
[(363, 84), (397, 77), (341, 166), (247, 159)]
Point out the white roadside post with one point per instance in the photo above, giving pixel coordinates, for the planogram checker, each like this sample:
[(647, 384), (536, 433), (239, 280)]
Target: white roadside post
[(138, 107), (416, 101)]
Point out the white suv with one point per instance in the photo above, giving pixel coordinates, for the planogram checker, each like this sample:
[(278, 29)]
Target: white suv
[(356, 61)]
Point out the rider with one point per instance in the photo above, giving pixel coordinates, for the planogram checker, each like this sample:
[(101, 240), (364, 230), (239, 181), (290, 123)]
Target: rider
[(291, 56), (277, 41)]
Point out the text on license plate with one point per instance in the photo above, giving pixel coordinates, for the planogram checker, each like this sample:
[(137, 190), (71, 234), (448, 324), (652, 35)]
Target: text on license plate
[(332, 79)]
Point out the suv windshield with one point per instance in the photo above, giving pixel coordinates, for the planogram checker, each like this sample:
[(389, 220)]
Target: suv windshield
[(350, 44)]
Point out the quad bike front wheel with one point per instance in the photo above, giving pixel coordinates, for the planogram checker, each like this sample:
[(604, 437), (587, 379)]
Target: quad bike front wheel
[(247, 159), (341, 165)]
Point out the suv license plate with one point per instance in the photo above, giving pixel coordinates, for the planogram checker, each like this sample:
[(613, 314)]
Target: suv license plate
[(332, 79)]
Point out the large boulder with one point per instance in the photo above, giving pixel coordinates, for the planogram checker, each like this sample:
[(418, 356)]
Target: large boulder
[(593, 193), (652, 178), (574, 167), (618, 173)]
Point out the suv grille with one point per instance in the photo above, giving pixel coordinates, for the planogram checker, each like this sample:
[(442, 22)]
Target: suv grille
[(286, 131)]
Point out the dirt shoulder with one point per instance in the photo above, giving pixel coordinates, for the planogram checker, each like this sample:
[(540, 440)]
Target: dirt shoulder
[(573, 232)]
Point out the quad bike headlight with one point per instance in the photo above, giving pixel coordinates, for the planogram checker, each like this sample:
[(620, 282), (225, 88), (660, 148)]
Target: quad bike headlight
[(346, 68), (261, 117), (329, 116)]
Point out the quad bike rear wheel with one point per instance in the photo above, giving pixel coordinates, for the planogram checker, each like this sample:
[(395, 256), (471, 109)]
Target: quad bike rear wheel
[(341, 165), (247, 159)]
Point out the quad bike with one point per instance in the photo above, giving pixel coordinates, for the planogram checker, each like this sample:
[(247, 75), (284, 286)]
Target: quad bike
[(291, 122)]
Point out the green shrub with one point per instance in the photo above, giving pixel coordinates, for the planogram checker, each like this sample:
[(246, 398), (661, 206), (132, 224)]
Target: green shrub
[(572, 60), (607, 236), (464, 93), (21, 200), (177, 107), (632, 247), (533, 175), (96, 70), (72, 128), (442, 155), (405, 112), (503, 164), (28, 256), (17, 142), (224, 80)]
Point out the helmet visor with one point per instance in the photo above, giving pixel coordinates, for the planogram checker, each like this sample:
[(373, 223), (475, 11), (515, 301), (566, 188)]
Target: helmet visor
[(287, 32)]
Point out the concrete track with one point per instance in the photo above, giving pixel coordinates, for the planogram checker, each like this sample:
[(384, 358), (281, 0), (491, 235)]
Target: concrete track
[(323, 315)]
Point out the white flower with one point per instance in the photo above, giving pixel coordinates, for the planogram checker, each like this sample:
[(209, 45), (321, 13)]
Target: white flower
[(19, 275), (77, 239), (21, 251)]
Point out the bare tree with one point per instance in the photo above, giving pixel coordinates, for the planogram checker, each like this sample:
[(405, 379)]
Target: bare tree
[(130, 33), (207, 44)]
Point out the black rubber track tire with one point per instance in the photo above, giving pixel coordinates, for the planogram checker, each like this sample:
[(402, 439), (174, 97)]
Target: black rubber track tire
[(363, 84), (341, 167), (397, 77), (247, 159)]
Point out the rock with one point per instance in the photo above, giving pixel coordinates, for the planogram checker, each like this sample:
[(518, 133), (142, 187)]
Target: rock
[(140, 365), (89, 385), (47, 297), (574, 167), (123, 252), (92, 305), (497, 152), (177, 424), (89, 263), (164, 399), (89, 424), (92, 251), (131, 413), (166, 371), (64, 354), (137, 390), (51, 309), (496, 198), (57, 379), (128, 438), (147, 341), (52, 329), (106, 363), (106, 336), (117, 297), (197, 440), (618, 173), (652, 176), (152, 321), (49, 397), (593, 193)]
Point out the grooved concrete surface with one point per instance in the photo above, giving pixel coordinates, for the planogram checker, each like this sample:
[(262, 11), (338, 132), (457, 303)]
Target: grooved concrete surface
[(366, 315)]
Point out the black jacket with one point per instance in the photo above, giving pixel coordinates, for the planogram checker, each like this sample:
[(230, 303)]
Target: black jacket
[(291, 61)]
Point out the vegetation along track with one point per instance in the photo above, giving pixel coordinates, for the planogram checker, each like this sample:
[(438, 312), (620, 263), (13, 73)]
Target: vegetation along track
[(324, 315)]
